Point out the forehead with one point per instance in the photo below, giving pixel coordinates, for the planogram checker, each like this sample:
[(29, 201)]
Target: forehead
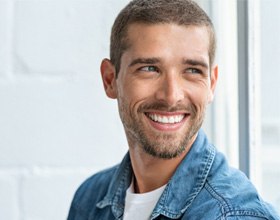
[(172, 40)]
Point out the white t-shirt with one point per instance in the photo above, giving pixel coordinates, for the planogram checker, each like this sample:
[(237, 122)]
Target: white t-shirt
[(139, 206)]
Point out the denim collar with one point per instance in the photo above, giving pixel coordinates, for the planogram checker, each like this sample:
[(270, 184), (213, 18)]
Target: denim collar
[(180, 191)]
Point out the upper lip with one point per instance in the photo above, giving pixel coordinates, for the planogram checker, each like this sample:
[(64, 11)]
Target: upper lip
[(163, 113)]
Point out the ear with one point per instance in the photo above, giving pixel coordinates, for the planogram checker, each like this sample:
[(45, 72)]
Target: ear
[(213, 83), (109, 78)]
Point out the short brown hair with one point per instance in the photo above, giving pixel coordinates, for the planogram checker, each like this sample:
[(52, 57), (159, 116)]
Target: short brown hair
[(181, 12)]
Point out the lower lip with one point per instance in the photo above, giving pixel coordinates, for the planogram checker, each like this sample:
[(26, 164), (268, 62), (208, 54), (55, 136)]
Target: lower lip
[(167, 127)]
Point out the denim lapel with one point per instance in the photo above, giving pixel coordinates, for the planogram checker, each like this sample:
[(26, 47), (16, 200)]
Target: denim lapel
[(115, 196)]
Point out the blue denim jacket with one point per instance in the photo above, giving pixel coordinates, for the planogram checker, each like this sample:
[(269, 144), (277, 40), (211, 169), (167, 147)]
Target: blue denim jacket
[(203, 187)]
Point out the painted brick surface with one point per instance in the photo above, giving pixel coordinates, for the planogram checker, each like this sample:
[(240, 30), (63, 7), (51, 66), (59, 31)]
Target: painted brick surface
[(58, 123), (61, 37), (9, 195), (47, 193), (57, 126)]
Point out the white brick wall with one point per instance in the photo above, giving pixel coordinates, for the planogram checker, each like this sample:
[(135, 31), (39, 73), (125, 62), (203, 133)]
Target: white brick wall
[(56, 125), (9, 194)]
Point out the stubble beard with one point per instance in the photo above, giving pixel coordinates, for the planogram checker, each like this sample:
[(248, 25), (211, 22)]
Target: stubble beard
[(160, 145)]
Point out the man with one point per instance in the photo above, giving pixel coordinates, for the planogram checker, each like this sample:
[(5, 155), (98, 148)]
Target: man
[(162, 73)]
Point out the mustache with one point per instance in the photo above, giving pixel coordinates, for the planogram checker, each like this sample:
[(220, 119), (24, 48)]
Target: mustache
[(162, 106)]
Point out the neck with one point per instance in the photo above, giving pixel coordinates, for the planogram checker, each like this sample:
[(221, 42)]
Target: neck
[(151, 172)]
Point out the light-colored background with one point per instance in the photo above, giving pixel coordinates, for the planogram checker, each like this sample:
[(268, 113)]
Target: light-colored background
[(56, 125), (270, 100)]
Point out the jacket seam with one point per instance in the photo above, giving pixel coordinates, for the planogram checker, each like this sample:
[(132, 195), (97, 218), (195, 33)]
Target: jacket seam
[(240, 212), (226, 208), (224, 205)]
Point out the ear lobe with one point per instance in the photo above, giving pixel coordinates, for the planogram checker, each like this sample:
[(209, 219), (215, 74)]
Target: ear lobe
[(109, 78), (213, 83)]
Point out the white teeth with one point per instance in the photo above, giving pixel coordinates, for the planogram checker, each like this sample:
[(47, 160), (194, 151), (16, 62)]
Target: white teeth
[(166, 119), (171, 120)]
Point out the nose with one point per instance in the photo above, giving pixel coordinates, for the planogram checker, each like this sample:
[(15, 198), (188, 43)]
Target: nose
[(170, 90)]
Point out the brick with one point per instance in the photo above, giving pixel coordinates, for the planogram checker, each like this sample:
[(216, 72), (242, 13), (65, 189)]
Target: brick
[(63, 123), (47, 194), (62, 37), (8, 196)]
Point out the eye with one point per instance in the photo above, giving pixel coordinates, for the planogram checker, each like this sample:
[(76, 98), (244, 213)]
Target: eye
[(194, 71), (149, 69)]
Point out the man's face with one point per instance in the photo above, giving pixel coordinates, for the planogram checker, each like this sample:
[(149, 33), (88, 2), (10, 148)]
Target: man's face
[(163, 86)]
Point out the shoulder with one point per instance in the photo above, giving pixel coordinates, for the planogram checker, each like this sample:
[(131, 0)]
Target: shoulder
[(233, 193), (92, 190)]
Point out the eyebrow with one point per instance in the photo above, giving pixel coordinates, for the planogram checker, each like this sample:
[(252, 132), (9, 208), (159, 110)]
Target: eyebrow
[(144, 61), (196, 63), (192, 62)]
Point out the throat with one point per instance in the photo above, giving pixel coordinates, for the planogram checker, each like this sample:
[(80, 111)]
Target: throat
[(152, 173)]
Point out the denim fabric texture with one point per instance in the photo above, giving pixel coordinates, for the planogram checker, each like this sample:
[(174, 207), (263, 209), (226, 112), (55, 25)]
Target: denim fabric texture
[(203, 187)]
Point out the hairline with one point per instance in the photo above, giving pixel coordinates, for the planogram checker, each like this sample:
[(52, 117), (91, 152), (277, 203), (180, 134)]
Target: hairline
[(210, 30)]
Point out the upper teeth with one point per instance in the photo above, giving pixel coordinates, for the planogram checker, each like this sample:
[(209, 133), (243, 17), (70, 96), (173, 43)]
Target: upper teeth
[(166, 119)]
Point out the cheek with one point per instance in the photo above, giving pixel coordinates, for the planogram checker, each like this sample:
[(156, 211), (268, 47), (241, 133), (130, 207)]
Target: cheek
[(199, 95), (136, 91), (131, 96)]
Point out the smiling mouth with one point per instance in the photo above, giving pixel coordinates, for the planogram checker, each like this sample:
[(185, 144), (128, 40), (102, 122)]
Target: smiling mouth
[(166, 119)]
